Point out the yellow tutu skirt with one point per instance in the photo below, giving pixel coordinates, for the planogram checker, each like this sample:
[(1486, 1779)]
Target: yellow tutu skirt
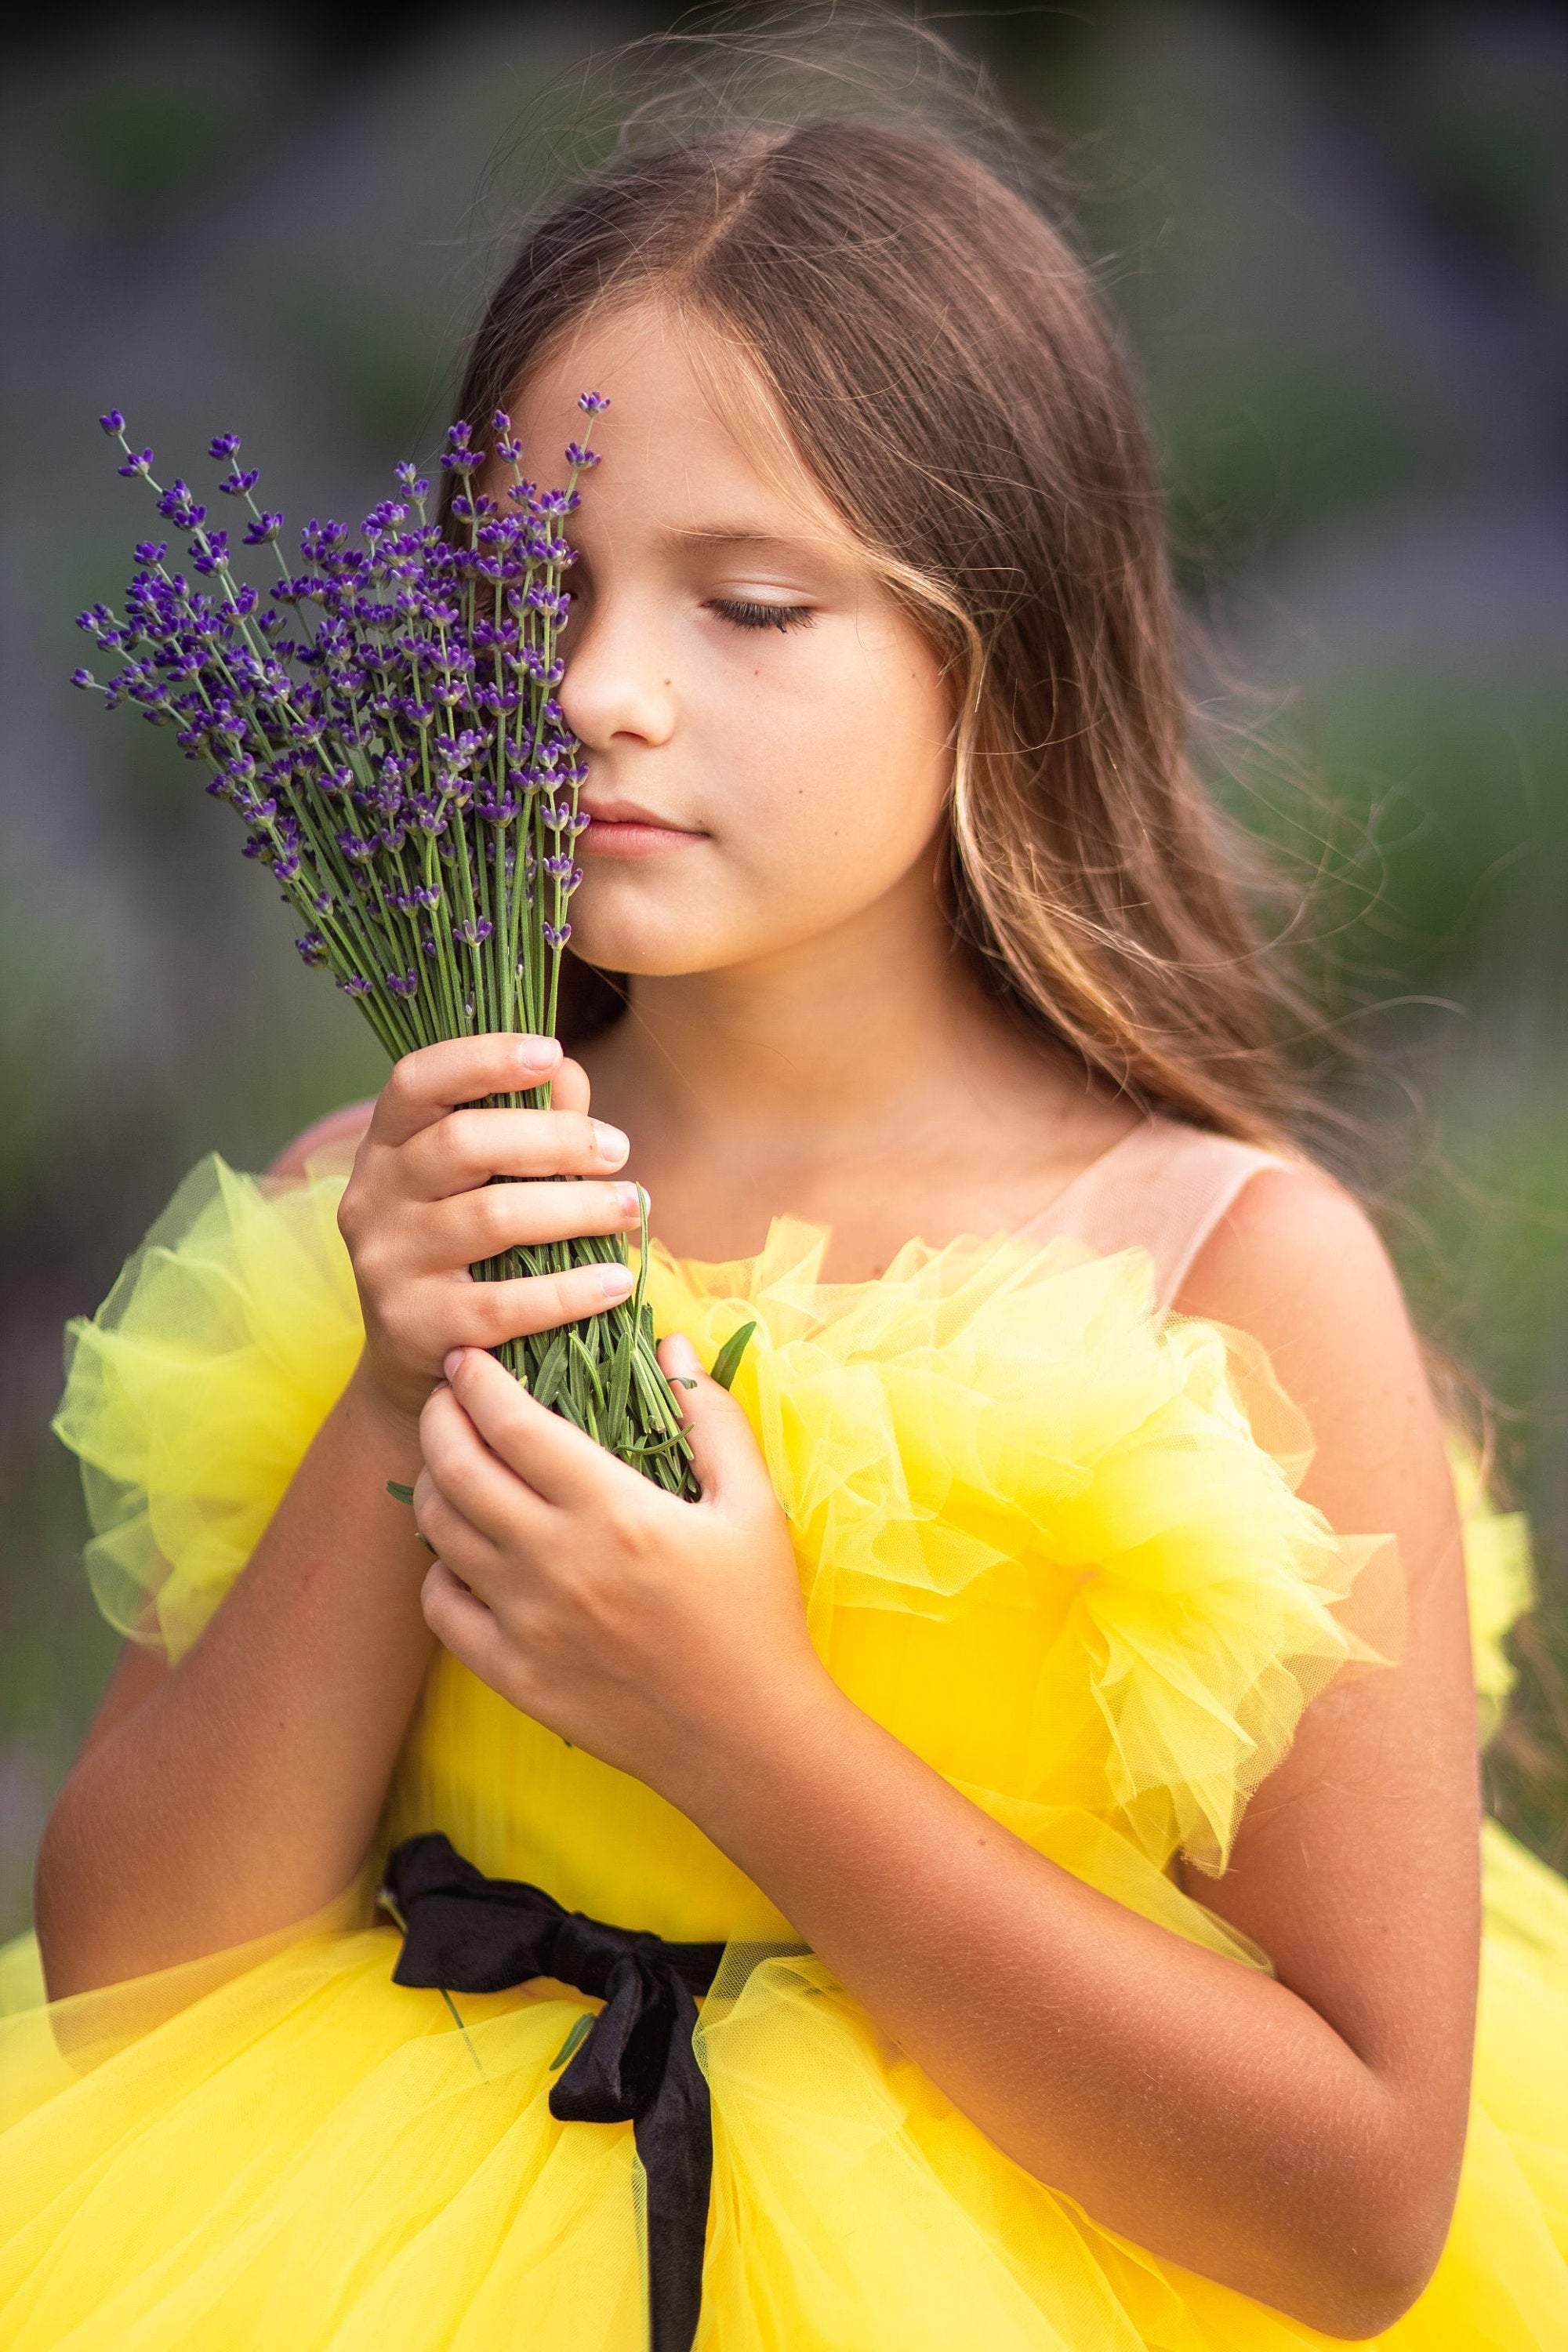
[(1049, 1537)]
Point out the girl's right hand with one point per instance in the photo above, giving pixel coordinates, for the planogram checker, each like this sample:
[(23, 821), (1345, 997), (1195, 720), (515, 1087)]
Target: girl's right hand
[(418, 1209)]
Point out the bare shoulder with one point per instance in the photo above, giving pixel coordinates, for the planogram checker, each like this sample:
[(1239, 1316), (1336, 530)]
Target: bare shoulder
[(1293, 1256), (345, 1125)]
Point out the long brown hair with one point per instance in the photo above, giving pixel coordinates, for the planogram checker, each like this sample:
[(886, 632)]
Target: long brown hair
[(911, 302)]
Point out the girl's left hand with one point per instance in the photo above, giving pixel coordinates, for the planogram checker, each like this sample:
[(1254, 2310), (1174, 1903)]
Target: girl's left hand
[(638, 1625)]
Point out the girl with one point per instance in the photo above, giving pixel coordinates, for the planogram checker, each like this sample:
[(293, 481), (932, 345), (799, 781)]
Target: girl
[(903, 1899)]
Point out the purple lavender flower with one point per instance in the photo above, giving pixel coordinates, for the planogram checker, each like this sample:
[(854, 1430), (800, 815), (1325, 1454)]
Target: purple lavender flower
[(382, 720)]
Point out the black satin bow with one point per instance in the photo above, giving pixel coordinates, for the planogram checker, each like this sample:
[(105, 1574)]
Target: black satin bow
[(467, 1933)]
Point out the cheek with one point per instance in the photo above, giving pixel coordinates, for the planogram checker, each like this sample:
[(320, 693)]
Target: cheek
[(835, 824), (853, 765), (833, 838)]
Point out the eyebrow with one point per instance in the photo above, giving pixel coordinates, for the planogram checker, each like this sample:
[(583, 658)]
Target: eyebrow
[(739, 534)]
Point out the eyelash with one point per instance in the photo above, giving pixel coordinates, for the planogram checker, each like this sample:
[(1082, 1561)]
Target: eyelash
[(743, 615)]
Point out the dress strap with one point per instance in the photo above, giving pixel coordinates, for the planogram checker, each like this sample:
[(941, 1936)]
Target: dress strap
[(1164, 1188)]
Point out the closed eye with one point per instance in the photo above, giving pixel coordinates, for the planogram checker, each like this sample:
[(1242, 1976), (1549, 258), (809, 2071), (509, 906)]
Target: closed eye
[(743, 615)]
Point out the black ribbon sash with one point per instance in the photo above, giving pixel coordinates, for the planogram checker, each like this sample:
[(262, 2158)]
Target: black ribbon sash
[(467, 1933)]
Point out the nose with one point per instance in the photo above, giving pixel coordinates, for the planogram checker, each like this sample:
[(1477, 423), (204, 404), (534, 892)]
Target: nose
[(615, 677)]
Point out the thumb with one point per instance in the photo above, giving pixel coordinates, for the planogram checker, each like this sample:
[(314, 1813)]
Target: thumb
[(708, 1411)]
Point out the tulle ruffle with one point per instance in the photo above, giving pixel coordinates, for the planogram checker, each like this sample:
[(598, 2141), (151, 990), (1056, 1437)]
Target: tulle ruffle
[(231, 1328)]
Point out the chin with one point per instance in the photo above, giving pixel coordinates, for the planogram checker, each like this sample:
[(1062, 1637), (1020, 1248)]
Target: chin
[(653, 949)]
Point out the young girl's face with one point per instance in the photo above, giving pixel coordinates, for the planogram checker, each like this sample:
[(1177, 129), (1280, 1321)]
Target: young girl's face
[(733, 667)]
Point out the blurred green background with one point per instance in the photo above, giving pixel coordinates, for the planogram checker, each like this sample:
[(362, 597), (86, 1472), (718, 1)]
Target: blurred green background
[(1337, 246)]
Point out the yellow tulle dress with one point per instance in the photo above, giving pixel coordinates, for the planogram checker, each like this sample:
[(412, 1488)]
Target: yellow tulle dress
[(1048, 1533)]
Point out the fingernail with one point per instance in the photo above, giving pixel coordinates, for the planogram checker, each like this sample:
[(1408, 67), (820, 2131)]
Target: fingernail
[(538, 1052), (614, 1281), (609, 1141), (451, 1360), (679, 1351)]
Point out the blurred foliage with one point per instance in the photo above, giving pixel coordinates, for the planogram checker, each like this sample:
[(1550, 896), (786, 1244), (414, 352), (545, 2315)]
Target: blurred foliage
[(1337, 248), (159, 130)]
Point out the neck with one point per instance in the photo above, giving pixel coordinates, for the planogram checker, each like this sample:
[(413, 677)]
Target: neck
[(870, 1045)]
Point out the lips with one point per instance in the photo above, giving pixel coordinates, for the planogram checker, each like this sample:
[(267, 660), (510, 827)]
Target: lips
[(611, 835), (626, 813)]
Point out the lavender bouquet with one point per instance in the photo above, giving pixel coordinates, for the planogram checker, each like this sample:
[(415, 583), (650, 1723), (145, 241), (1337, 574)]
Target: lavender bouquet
[(385, 727)]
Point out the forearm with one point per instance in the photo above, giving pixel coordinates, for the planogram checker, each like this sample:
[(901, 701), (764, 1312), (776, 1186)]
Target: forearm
[(1188, 2102), (243, 1793)]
